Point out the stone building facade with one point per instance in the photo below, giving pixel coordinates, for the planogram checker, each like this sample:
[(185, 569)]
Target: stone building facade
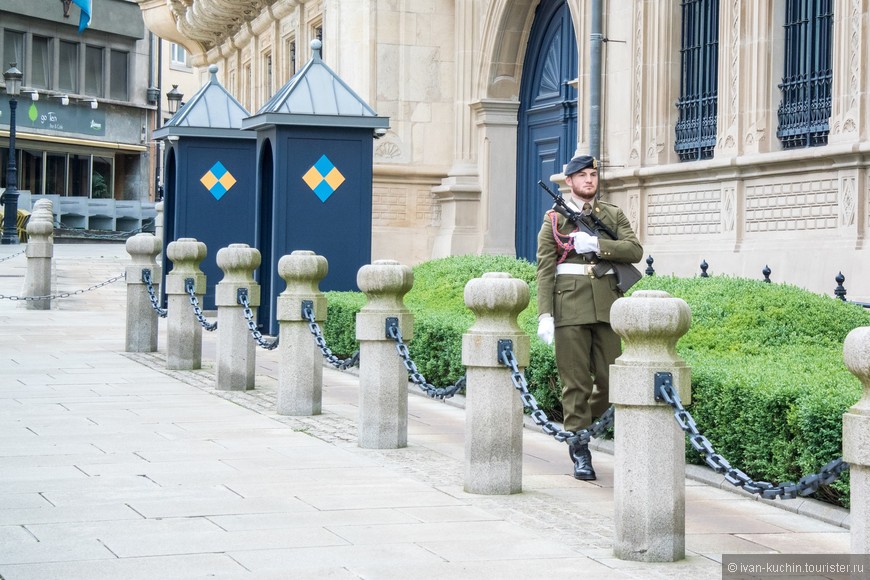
[(463, 82), (83, 116)]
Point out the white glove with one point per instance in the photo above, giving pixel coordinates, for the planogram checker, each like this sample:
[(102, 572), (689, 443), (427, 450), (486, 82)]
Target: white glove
[(546, 329), (584, 243)]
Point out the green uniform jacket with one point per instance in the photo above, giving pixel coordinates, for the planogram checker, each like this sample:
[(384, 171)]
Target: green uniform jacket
[(574, 299)]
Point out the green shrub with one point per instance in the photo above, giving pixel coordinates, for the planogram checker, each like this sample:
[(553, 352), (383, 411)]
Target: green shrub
[(339, 329), (440, 319), (769, 386), (747, 315)]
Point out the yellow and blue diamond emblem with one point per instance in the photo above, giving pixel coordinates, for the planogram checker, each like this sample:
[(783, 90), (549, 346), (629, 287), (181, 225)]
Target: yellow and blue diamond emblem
[(323, 178), (218, 180)]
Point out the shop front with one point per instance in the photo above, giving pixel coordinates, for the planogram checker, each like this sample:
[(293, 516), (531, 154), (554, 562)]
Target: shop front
[(96, 175)]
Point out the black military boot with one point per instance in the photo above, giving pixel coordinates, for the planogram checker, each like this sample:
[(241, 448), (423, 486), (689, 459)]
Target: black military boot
[(582, 458)]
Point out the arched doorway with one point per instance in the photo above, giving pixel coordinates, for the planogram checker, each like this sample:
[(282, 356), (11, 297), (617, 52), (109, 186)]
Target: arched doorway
[(265, 276), (170, 177), (547, 132)]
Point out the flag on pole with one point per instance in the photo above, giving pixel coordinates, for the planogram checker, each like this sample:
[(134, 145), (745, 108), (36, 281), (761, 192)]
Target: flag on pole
[(85, 19)]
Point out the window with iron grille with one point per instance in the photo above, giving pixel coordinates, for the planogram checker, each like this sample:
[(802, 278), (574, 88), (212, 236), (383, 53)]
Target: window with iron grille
[(806, 83), (699, 83)]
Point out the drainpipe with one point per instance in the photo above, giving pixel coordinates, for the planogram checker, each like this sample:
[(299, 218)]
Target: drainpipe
[(158, 183), (596, 39), (150, 60), (159, 122)]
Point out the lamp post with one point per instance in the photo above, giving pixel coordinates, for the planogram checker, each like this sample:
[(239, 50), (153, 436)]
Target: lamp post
[(13, 78), (173, 98)]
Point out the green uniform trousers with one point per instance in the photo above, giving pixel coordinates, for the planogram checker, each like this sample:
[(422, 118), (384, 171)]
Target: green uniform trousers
[(584, 354)]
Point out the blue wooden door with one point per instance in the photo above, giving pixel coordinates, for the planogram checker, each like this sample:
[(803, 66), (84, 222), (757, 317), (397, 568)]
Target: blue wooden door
[(547, 117), (315, 195)]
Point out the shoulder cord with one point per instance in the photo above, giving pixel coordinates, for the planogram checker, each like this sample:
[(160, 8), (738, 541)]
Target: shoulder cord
[(564, 246)]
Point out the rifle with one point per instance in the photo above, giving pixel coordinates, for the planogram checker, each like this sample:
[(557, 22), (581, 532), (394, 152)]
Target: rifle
[(626, 274)]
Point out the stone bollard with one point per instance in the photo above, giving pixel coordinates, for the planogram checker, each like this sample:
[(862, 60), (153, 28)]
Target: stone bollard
[(649, 489), (300, 374), (141, 318), (184, 332), (158, 229), (44, 205), (158, 221), (39, 252), (856, 440), (383, 379), (236, 353), (493, 410)]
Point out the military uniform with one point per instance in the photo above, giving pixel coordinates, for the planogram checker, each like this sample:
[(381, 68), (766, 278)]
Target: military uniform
[(580, 304)]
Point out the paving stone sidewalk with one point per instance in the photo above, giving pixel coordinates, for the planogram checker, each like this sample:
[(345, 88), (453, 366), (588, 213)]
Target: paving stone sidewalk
[(113, 467)]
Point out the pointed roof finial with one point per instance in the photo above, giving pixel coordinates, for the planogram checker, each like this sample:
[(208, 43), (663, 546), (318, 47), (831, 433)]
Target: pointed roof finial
[(316, 96), (212, 107)]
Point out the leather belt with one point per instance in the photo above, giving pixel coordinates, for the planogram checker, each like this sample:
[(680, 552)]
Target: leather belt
[(576, 269)]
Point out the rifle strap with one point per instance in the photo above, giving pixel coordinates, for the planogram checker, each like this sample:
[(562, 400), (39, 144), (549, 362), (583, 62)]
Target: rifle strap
[(564, 243)]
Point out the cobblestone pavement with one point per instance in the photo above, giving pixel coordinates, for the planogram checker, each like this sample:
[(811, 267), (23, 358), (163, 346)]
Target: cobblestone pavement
[(112, 466), (545, 513)]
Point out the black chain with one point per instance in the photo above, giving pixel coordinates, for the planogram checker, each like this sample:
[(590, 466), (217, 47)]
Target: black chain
[(146, 279), (189, 286), (242, 297), (9, 257), (340, 364), (414, 374), (664, 391), (64, 294), (597, 429), (89, 235)]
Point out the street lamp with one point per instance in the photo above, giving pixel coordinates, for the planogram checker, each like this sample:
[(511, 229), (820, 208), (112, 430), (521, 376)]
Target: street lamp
[(174, 97), (13, 78)]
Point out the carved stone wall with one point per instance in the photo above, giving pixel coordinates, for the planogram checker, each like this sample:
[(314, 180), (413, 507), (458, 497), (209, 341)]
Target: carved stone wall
[(803, 212), (405, 215), (687, 213), (849, 120), (398, 205), (447, 74), (792, 205)]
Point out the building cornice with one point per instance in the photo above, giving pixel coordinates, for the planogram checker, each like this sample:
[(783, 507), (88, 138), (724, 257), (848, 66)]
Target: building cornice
[(202, 25)]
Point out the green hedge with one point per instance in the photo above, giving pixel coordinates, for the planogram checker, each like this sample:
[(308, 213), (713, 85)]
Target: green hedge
[(769, 386), (441, 318)]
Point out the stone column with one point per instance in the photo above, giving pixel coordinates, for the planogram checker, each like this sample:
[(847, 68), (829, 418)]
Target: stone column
[(649, 494), (184, 332), (142, 320), (856, 440), (647, 88), (236, 354), (850, 40), (493, 410), (459, 194), (39, 252), (497, 122), (300, 371), (383, 379)]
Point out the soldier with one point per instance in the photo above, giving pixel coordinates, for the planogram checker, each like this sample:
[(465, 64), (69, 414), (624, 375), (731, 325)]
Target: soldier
[(574, 304)]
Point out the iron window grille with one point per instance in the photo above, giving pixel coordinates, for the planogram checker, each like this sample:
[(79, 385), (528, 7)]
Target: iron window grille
[(699, 83), (805, 107)]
